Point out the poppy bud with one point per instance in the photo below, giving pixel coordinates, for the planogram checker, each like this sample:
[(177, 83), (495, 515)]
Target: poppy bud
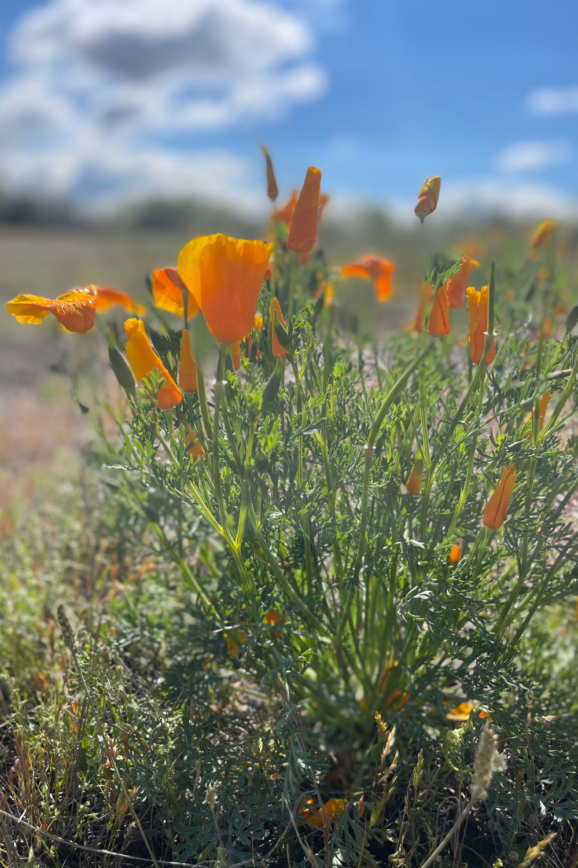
[(428, 198), (497, 506), (121, 370), (187, 365), (271, 390), (280, 343), (281, 333), (272, 188), (543, 233), (439, 321), (303, 229), (414, 479), (478, 324)]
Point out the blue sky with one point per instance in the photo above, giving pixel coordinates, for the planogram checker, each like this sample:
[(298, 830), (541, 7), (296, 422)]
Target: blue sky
[(123, 99)]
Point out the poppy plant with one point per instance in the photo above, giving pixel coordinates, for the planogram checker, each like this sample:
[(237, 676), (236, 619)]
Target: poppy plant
[(497, 506), (75, 310), (428, 197), (224, 276), (278, 351), (456, 285), (478, 324), (413, 482), (143, 359), (168, 289), (187, 364), (439, 320), (107, 297), (372, 268), (305, 220)]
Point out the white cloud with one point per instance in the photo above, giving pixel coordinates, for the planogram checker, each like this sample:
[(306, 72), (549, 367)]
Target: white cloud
[(553, 100), (105, 89), (532, 156), (480, 197)]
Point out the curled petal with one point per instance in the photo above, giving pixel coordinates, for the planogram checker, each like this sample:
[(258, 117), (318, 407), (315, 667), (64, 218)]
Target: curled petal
[(278, 351), (372, 268), (168, 288), (107, 297), (143, 359), (75, 310), (457, 285)]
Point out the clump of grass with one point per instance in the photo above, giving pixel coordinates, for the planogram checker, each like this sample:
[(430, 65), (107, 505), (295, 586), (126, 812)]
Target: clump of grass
[(292, 628)]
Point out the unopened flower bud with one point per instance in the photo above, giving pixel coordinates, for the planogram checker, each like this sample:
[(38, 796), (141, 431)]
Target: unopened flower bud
[(121, 370)]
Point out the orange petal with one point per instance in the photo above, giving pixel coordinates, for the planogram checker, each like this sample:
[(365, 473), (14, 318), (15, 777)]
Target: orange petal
[(107, 297), (224, 276), (75, 310), (168, 290), (428, 198), (497, 506), (478, 324), (455, 554), (456, 285), (413, 483), (194, 446), (187, 364), (285, 214), (143, 359), (236, 354), (303, 229)]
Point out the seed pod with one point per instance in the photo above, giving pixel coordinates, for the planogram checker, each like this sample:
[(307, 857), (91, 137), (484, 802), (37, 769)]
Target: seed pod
[(272, 388), (121, 370)]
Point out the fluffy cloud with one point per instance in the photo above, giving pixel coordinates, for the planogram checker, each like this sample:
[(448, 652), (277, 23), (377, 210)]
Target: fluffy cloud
[(105, 90), (532, 156), (554, 100), (481, 197)]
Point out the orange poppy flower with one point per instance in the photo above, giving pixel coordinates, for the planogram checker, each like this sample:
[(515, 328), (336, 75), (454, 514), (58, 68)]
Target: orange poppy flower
[(413, 483), (455, 554), (278, 350), (317, 816), (273, 616), (272, 188), (456, 285), (478, 324), (236, 354), (168, 288), (194, 445), (303, 228), (543, 234), (143, 359), (75, 310), (497, 505), (285, 214), (107, 297), (461, 712), (372, 268), (425, 296), (439, 320), (187, 364), (428, 198), (224, 276), (544, 401)]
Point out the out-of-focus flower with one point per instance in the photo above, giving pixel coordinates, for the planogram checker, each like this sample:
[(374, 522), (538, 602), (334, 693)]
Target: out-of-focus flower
[(258, 322), (143, 360), (224, 276), (187, 364), (269, 272), (478, 324), (75, 310), (413, 482), (316, 816), (235, 639), (274, 617), (193, 444), (428, 197), (285, 214), (543, 234), (272, 188), (544, 401), (107, 297), (457, 285), (372, 268), (236, 354), (439, 320), (278, 351), (329, 296), (168, 288), (460, 712), (305, 220), (455, 554), (497, 506), (424, 298)]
